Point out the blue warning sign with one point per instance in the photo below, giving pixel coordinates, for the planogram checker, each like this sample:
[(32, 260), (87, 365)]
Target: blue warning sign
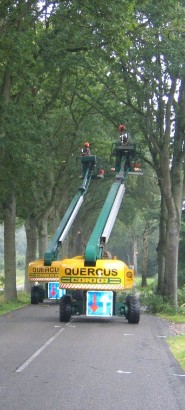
[(54, 292), (99, 303)]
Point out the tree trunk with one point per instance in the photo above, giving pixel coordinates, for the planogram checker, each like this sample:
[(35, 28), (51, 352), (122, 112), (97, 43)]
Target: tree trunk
[(9, 217), (42, 236), (31, 236), (172, 248), (53, 221), (145, 258), (161, 248), (6, 85), (76, 246), (173, 201), (135, 253)]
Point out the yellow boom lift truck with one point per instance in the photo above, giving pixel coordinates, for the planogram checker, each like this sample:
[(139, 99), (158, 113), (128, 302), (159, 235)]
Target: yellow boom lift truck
[(92, 283)]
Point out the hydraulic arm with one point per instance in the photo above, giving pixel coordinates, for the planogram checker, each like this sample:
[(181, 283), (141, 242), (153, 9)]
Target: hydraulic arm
[(51, 253), (94, 270), (105, 221)]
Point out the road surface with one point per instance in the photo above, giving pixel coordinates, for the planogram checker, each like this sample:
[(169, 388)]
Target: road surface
[(87, 364)]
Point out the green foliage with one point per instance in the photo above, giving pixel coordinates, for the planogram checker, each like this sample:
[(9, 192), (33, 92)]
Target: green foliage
[(155, 303), (181, 296), (181, 275), (138, 214), (1, 281)]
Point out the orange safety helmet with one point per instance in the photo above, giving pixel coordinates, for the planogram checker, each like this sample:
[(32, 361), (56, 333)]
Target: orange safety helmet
[(121, 127), (86, 144)]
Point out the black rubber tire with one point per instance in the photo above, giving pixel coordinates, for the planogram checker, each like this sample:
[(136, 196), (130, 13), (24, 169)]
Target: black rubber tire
[(37, 294), (34, 295), (65, 309), (41, 293), (133, 304)]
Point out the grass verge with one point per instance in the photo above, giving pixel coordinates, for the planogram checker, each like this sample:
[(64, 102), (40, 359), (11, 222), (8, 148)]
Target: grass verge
[(22, 300), (177, 342), (177, 347), (173, 318), (156, 304)]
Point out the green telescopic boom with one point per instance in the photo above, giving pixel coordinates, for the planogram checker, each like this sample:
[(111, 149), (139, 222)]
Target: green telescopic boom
[(105, 221), (52, 251)]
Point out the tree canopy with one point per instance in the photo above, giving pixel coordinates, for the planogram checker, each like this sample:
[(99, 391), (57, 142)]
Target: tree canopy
[(72, 71)]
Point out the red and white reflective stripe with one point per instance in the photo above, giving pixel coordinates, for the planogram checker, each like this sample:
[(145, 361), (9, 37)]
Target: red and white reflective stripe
[(43, 279), (89, 286)]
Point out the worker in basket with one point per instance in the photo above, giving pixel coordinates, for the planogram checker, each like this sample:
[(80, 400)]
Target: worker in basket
[(124, 137), (85, 151), (128, 155)]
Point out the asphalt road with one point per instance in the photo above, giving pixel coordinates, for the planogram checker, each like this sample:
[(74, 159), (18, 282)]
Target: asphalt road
[(87, 364)]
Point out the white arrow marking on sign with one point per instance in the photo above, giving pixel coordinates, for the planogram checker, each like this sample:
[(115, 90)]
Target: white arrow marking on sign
[(105, 300)]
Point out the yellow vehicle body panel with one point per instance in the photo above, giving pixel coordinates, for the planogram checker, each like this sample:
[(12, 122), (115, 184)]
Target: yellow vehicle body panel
[(37, 272), (108, 274)]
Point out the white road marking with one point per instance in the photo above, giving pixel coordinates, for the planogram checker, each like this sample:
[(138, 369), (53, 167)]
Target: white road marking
[(122, 372), (128, 334), (161, 336), (179, 375), (38, 352)]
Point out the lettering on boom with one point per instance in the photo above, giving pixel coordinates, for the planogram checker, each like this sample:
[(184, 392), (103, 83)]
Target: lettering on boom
[(66, 279), (90, 272), (46, 269), (45, 276)]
